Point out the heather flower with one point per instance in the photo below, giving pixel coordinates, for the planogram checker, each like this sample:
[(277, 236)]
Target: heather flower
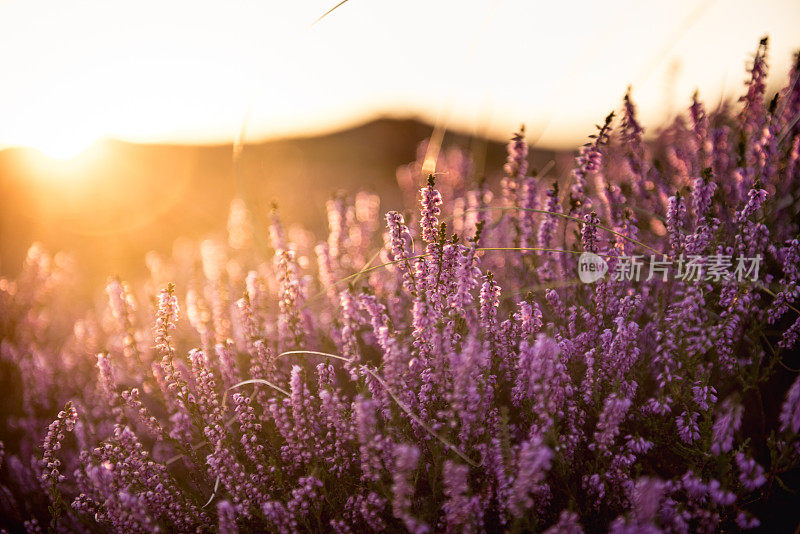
[(719, 495), (477, 202), (204, 394), (132, 400), (121, 302), (755, 198), (56, 433), (297, 420), (223, 466), (371, 442), (549, 222), (790, 97), (746, 521), (248, 320), (277, 234), (647, 494), (702, 193), (613, 414), (529, 317), (790, 336), (489, 302), (638, 445), (470, 389), (227, 518), (728, 421), (32, 526), (589, 232), (700, 128), (226, 361), (631, 134), (304, 495), (367, 509), (568, 523), (462, 513), (467, 278), (166, 318), (516, 162), (589, 160), (704, 396), (542, 379), (400, 245), (290, 299), (249, 427), (340, 216), (688, 429), (529, 203), (532, 464), (108, 382), (756, 85), (430, 200), (326, 270), (551, 295), (790, 411), (277, 516), (751, 475), (676, 216), (406, 458)]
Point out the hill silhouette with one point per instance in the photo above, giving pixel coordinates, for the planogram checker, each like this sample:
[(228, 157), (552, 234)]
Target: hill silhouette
[(119, 200)]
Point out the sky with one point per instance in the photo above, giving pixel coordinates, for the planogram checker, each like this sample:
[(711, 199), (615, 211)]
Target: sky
[(197, 71)]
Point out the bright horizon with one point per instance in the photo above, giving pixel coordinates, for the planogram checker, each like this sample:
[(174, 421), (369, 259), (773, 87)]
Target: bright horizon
[(189, 72)]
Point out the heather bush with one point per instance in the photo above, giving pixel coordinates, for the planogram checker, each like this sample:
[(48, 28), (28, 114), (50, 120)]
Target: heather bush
[(450, 373)]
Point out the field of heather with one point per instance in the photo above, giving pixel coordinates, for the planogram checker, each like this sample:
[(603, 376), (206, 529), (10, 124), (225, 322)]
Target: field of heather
[(607, 348)]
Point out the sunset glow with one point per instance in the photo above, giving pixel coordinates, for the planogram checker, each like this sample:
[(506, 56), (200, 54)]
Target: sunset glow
[(191, 72)]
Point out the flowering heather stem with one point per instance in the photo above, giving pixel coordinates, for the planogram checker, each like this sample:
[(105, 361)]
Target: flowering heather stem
[(430, 200)]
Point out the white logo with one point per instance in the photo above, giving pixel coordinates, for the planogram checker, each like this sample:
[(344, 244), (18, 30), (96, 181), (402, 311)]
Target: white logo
[(591, 267)]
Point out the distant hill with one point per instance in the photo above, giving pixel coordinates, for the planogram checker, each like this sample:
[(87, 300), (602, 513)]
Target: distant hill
[(119, 200)]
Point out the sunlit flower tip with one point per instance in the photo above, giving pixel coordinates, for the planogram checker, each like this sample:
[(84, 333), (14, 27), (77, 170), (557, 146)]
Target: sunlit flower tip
[(517, 160), (399, 235), (632, 130), (167, 316), (756, 86)]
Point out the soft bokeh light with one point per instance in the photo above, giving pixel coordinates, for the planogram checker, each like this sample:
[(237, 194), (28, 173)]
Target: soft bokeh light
[(192, 71)]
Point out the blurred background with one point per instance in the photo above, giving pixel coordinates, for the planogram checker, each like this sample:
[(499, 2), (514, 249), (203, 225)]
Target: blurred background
[(118, 120)]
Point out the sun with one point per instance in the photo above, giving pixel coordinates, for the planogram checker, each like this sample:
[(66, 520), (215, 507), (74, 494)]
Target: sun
[(63, 147)]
